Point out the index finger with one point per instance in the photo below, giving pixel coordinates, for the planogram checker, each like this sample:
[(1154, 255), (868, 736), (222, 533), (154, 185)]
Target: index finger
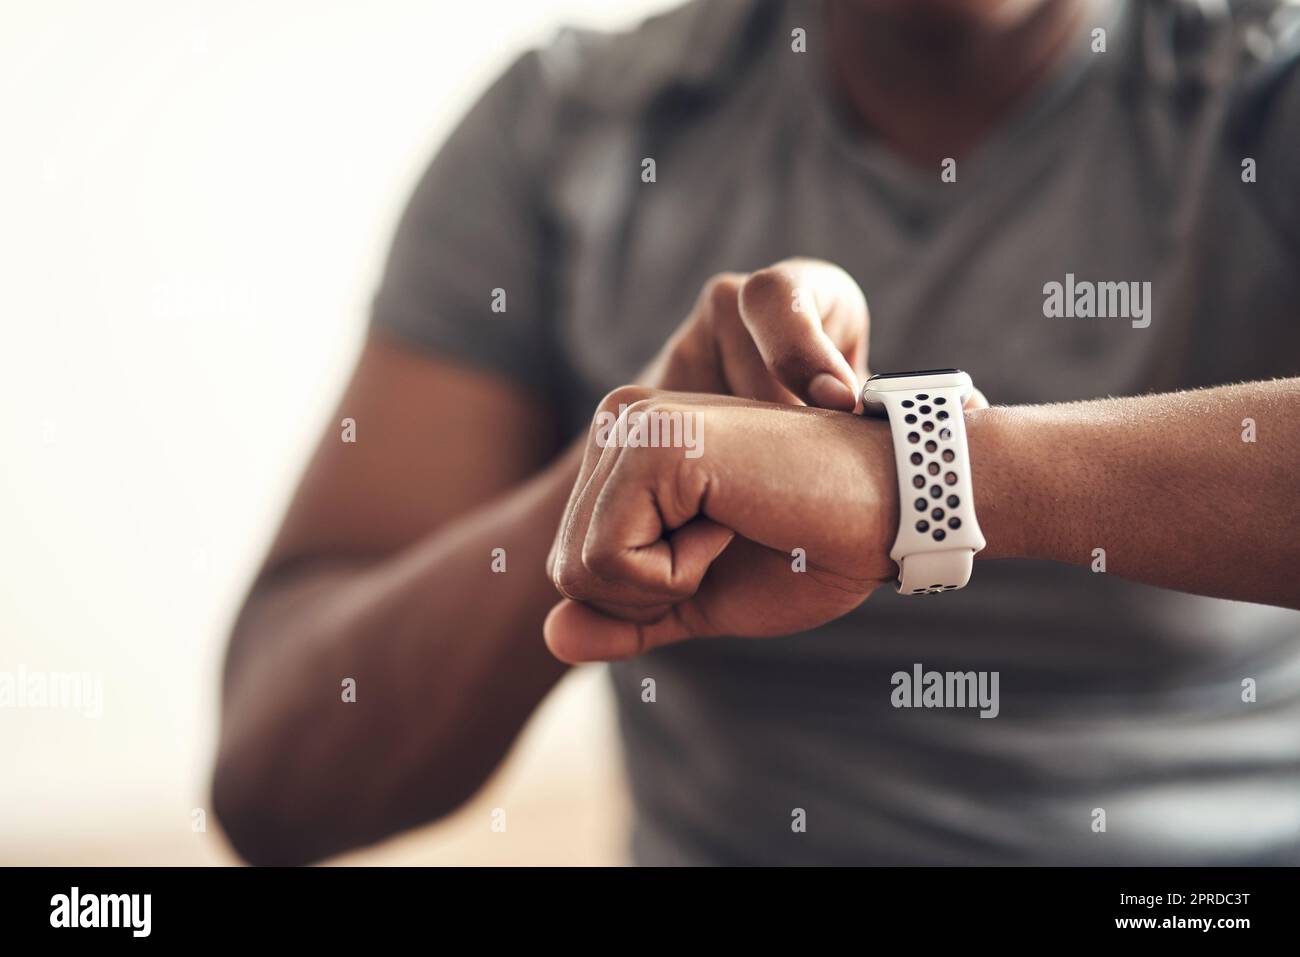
[(810, 322)]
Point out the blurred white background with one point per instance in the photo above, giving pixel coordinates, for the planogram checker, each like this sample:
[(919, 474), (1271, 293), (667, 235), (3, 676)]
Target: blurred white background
[(195, 200)]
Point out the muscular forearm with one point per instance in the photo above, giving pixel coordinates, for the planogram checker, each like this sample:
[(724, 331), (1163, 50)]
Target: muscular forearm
[(1165, 484), (447, 660)]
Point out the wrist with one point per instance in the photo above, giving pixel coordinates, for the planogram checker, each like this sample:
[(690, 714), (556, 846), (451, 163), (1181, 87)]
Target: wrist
[(876, 446), (936, 479), (1004, 473)]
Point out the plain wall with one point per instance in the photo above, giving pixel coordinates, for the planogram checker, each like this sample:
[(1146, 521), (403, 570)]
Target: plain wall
[(195, 203)]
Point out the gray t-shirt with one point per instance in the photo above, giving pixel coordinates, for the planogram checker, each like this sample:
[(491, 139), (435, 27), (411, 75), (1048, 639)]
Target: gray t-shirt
[(1126, 166)]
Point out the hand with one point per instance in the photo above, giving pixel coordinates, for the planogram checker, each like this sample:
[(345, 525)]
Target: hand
[(657, 546), (792, 333)]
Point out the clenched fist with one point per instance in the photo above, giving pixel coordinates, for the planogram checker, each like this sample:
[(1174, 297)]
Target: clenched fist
[(657, 545)]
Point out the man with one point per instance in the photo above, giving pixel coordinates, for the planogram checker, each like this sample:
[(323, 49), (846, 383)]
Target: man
[(972, 165)]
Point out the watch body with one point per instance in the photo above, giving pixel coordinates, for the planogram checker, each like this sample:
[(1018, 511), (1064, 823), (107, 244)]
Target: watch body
[(938, 535)]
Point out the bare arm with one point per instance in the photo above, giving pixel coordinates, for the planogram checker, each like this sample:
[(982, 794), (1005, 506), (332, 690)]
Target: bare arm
[(1164, 483), (382, 573), (657, 547)]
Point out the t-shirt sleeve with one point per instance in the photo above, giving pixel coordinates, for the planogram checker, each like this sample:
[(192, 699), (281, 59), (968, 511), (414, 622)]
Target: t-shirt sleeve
[(465, 276)]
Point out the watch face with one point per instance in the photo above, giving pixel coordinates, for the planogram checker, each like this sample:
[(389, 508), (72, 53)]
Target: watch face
[(904, 375)]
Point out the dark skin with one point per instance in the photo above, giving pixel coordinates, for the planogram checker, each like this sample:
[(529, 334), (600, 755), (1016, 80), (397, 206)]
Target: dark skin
[(930, 79), (381, 569)]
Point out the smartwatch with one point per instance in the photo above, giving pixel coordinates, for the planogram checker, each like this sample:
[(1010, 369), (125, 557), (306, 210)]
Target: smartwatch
[(937, 532)]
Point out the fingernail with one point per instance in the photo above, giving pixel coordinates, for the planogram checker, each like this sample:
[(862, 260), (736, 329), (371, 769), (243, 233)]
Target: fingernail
[(830, 393)]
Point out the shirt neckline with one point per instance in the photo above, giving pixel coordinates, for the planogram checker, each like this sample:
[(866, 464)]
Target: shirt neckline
[(916, 188)]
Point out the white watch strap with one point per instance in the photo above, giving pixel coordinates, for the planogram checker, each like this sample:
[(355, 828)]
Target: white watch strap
[(928, 572), (938, 535)]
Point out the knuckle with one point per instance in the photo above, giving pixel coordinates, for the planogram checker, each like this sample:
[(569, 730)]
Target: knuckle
[(604, 561), (646, 405), (623, 396), (765, 287), (720, 297), (649, 424), (571, 580)]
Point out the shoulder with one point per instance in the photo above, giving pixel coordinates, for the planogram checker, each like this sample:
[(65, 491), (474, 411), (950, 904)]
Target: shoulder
[(1267, 83), (583, 79), (1239, 53), (1225, 73)]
